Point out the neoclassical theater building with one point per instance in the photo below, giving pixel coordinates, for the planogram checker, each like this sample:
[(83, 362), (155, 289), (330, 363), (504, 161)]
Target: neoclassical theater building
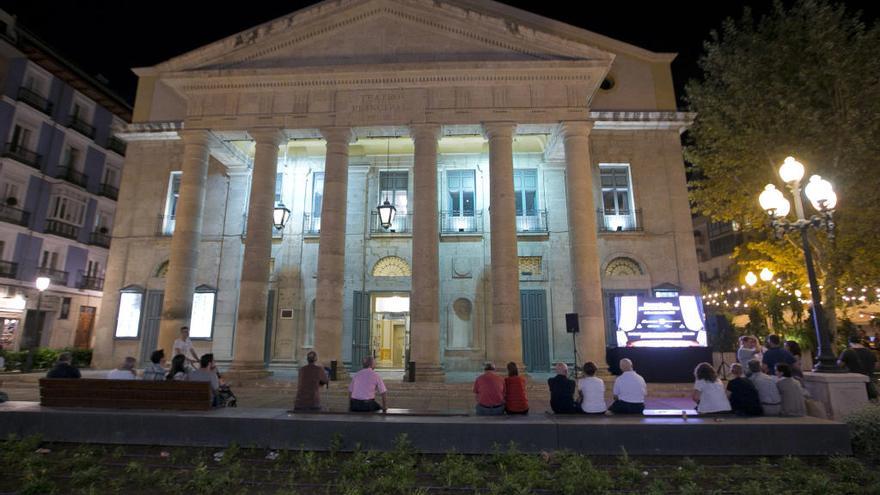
[(535, 169)]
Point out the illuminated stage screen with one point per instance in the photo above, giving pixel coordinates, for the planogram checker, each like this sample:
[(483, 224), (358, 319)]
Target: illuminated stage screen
[(660, 322)]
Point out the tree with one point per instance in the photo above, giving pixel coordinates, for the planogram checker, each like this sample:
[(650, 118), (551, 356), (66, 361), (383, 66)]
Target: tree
[(802, 81)]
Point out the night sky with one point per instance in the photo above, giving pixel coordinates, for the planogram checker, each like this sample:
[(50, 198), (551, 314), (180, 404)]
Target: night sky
[(110, 37)]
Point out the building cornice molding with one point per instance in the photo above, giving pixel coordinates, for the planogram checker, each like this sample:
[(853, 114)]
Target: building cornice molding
[(642, 121)]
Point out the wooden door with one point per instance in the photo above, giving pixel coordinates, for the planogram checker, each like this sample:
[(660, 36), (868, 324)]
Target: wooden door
[(535, 339), (84, 327)]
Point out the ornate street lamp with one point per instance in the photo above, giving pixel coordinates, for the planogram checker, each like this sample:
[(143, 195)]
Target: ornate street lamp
[(766, 275), (821, 195), (386, 211), (751, 279), (42, 283), (280, 216)]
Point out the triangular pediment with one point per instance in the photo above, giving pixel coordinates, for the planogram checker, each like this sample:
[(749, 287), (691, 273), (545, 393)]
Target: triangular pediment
[(366, 32)]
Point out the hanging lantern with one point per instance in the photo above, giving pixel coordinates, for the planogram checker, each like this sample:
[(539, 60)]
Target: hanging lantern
[(386, 211), (280, 216)]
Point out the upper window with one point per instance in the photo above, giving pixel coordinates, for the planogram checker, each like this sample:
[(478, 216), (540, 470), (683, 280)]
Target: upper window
[(171, 203), (201, 324), (462, 191), (279, 187), (111, 175), (37, 83), (525, 191), (129, 317), (616, 193), (23, 137), (81, 110), (317, 193), (66, 208), (72, 158), (394, 187)]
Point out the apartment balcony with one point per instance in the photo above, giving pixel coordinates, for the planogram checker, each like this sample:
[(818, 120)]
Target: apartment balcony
[(400, 225), (532, 222), (8, 269), (62, 229), (91, 283), (619, 221), (69, 174), (34, 99), (108, 191), (81, 126), (56, 276), (99, 239), (116, 144), (311, 225), (10, 214), (23, 155), (461, 224), (165, 225)]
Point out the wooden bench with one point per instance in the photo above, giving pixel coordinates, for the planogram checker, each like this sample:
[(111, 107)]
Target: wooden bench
[(392, 411), (125, 394)]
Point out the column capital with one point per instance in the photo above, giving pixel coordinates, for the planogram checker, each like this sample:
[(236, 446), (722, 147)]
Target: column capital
[(197, 137), (337, 134), (575, 128), (492, 130), (425, 131), (268, 135)]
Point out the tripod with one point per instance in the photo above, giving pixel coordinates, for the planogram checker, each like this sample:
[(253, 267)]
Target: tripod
[(575, 347), (722, 368)]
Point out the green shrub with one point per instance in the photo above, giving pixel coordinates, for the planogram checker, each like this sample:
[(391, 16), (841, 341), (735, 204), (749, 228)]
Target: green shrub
[(44, 358), (864, 431)]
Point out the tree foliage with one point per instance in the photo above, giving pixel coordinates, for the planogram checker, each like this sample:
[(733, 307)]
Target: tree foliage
[(802, 80)]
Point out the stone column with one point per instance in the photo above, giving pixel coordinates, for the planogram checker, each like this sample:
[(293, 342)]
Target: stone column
[(331, 250), (505, 336), (586, 282), (253, 293), (183, 262), (424, 303)]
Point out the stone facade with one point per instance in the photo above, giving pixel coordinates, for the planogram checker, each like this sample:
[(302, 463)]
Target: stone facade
[(479, 113)]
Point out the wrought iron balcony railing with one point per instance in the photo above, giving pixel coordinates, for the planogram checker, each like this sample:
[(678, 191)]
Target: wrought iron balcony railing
[(81, 126), (35, 100), (62, 229), (400, 224), (532, 222), (56, 276), (18, 152), (99, 239), (8, 269), (91, 283), (11, 214), (457, 223), (116, 144), (70, 174), (619, 221), (109, 191)]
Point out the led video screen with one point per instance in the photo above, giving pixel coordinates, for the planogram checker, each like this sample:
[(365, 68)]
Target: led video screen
[(660, 322)]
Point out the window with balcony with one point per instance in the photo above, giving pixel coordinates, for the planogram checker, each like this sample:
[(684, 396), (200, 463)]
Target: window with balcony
[(525, 192), (312, 220), (92, 278), (617, 213), (461, 215), (10, 203), (167, 220), (71, 166), (34, 90), (81, 118), (65, 216), (50, 263), (22, 145), (394, 188), (110, 183)]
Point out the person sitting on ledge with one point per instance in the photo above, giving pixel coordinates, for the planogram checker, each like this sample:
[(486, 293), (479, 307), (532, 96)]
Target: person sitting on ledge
[(766, 387), (591, 391), (308, 385), (629, 391), (515, 400), (743, 396), (207, 373), (363, 388), (791, 392), (562, 391), (708, 391), (125, 371), (154, 371), (489, 390), (63, 368), (178, 370)]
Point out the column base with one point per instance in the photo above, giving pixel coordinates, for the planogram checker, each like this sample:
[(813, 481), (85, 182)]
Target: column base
[(841, 393), (428, 374)]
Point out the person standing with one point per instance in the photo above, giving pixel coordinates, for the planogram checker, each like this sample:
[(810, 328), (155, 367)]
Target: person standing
[(790, 391), (742, 394), (858, 359), (125, 371), (748, 349), (308, 385), (63, 368), (154, 371), (776, 354), (515, 400), (183, 345), (364, 386), (489, 391), (562, 391), (591, 391), (629, 391), (708, 391), (768, 393)]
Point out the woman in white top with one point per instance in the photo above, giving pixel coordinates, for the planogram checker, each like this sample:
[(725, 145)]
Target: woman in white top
[(591, 391), (709, 392)]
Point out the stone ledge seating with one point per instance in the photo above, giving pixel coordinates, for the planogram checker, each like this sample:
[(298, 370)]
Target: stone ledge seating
[(125, 394)]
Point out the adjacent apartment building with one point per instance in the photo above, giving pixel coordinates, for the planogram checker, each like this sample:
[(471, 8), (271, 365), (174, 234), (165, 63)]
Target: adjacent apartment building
[(60, 167), (535, 169)]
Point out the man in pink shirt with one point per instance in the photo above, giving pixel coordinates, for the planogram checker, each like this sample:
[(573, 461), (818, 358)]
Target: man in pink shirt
[(363, 388), (489, 389)]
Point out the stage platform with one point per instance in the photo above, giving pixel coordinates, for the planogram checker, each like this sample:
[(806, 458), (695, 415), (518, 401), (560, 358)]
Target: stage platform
[(278, 429)]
